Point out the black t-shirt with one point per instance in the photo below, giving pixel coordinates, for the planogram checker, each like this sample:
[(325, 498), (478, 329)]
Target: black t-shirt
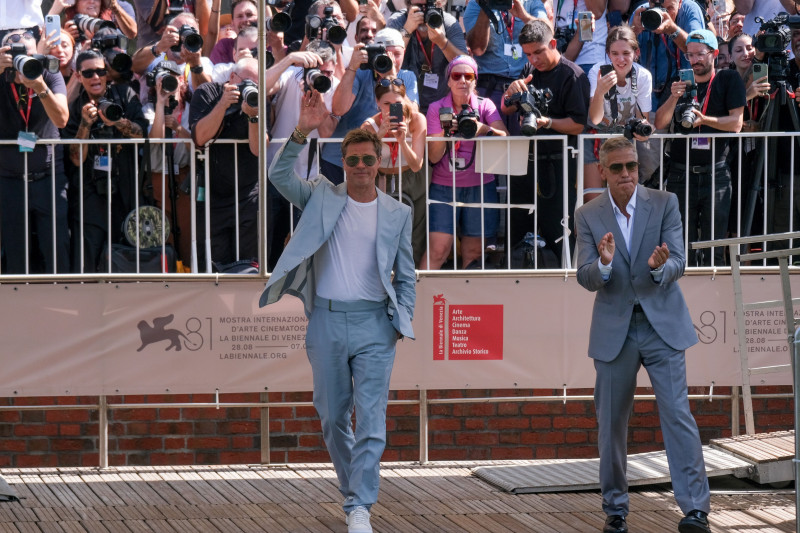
[(12, 163), (570, 88), (223, 164), (298, 28), (123, 162), (727, 92)]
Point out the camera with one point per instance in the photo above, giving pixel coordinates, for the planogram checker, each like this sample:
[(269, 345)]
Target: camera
[(190, 39), (269, 59), (112, 46), (176, 6), (637, 126), (31, 66), (446, 120), (377, 59), (105, 41), (85, 23), (683, 111), (280, 22), (563, 36), (775, 35), (248, 91), (167, 72), (313, 78), (110, 109), (334, 33), (531, 104), (434, 16), (496, 5), (654, 16), (466, 120)]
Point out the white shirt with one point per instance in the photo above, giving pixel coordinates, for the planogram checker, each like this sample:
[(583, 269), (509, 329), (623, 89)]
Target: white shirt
[(626, 101), (16, 14), (346, 266)]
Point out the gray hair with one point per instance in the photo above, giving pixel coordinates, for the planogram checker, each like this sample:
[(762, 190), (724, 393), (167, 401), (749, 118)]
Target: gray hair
[(612, 145), (323, 49), (535, 31)]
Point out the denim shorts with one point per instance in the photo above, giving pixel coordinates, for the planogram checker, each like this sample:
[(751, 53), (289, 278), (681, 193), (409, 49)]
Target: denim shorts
[(467, 218)]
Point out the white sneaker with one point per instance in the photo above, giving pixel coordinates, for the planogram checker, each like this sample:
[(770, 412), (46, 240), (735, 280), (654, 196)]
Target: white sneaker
[(358, 520)]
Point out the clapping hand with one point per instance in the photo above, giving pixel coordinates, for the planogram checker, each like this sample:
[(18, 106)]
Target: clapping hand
[(606, 249)]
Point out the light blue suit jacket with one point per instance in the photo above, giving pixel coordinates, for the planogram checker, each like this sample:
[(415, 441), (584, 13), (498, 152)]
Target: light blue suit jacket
[(322, 203), (656, 220)]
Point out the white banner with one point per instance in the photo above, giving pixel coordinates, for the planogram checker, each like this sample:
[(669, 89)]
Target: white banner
[(481, 332)]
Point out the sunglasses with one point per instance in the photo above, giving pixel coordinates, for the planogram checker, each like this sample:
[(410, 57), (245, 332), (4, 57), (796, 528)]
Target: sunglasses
[(468, 76), (353, 160), (386, 82), (17, 37), (630, 166), (90, 72)]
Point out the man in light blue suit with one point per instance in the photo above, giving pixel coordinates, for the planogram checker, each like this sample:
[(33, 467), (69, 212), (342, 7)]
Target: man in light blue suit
[(630, 252), (339, 262)]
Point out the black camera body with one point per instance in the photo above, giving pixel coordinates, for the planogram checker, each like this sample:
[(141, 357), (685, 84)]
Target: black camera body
[(531, 104), (176, 7), (279, 22), (563, 36), (85, 23), (637, 126), (248, 92), (466, 122), (315, 25), (313, 78), (434, 16), (113, 46), (190, 39), (683, 111), (167, 72), (496, 5), (31, 66), (377, 59), (653, 17)]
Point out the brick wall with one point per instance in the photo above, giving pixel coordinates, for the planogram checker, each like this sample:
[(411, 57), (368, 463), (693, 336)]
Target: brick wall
[(474, 431)]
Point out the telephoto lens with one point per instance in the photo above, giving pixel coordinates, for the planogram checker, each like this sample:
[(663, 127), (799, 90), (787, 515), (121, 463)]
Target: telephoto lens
[(168, 82), (249, 92), (28, 66), (111, 110), (316, 80)]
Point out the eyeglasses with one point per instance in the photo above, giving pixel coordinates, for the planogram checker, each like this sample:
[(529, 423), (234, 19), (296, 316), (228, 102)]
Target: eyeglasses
[(699, 55), (630, 166), (385, 82), (90, 72), (353, 160), (456, 76), (17, 37)]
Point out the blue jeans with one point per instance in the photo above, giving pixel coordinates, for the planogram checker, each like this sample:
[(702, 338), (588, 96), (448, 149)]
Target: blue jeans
[(467, 218), (351, 355)]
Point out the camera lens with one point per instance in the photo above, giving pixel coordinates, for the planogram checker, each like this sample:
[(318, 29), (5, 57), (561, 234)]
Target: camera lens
[(433, 18), (651, 18), (112, 111), (337, 34), (168, 82), (528, 126), (28, 66), (318, 81), (279, 23)]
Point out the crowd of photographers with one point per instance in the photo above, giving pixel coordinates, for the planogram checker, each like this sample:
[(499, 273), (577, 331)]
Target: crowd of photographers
[(105, 70)]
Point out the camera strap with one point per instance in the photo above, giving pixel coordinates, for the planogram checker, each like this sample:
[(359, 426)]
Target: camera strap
[(428, 60), (25, 117), (508, 21), (708, 92), (613, 98)]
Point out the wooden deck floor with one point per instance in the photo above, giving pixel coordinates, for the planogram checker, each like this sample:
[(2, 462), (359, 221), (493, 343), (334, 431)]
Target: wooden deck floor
[(438, 497)]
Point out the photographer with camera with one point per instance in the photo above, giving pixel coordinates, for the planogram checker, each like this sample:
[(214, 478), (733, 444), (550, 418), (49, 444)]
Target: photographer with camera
[(226, 112), (169, 179), (119, 12), (581, 29), (433, 38), (493, 39), (182, 43), (620, 91), (662, 27), (101, 112), (465, 115), (244, 13), (354, 98), (326, 22), (714, 103), (32, 108), (547, 73)]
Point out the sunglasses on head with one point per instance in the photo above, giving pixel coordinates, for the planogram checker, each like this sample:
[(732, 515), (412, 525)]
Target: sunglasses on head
[(17, 37), (90, 72), (352, 160), (630, 166), (387, 82), (456, 76)]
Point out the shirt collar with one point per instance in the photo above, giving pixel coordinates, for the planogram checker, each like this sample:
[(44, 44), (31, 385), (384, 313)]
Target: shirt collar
[(630, 208)]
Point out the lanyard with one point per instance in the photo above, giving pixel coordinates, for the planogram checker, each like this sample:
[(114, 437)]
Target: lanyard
[(509, 25), (428, 60), (25, 117), (708, 92), (677, 52)]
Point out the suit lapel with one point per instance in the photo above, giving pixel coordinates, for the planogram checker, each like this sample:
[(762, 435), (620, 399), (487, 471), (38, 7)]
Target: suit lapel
[(334, 202), (387, 228), (611, 224), (640, 220)]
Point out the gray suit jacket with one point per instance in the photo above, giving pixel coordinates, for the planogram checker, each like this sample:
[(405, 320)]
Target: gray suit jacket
[(656, 220), (322, 203)]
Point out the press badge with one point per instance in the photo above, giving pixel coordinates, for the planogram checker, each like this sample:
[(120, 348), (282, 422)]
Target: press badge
[(701, 143), (26, 141), (431, 80), (101, 163), (513, 50), (460, 164)]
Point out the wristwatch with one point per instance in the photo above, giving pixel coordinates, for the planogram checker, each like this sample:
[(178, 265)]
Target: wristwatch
[(44, 94), (154, 50), (253, 120), (404, 33), (197, 70), (672, 36)]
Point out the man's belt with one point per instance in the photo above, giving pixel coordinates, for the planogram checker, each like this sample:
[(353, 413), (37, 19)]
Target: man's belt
[(348, 306), (699, 169)]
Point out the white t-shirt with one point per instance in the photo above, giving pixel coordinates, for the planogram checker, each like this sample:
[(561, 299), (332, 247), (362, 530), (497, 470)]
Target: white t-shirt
[(182, 151), (16, 14), (766, 9), (625, 96), (592, 52), (286, 103), (346, 266)]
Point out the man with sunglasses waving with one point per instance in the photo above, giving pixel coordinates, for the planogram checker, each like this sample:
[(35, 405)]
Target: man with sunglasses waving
[(31, 108), (630, 252), (350, 261)]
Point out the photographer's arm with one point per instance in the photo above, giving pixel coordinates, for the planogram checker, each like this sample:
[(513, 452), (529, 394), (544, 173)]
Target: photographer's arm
[(436, 149), (744, 6), (667, 110), (78, 152), (213, 28), (126, 23), (349, 9), (731, 123), (518, 86), (144, 56), (343, 97), (129, 128), (208, 126), (55, 105), (790, 6), (478, 36)]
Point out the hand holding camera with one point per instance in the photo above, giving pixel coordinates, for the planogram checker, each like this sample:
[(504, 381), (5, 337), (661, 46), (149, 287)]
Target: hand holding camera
[(359, 57), (168, 39), (89, 114), (415, 18), (230, 96)]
